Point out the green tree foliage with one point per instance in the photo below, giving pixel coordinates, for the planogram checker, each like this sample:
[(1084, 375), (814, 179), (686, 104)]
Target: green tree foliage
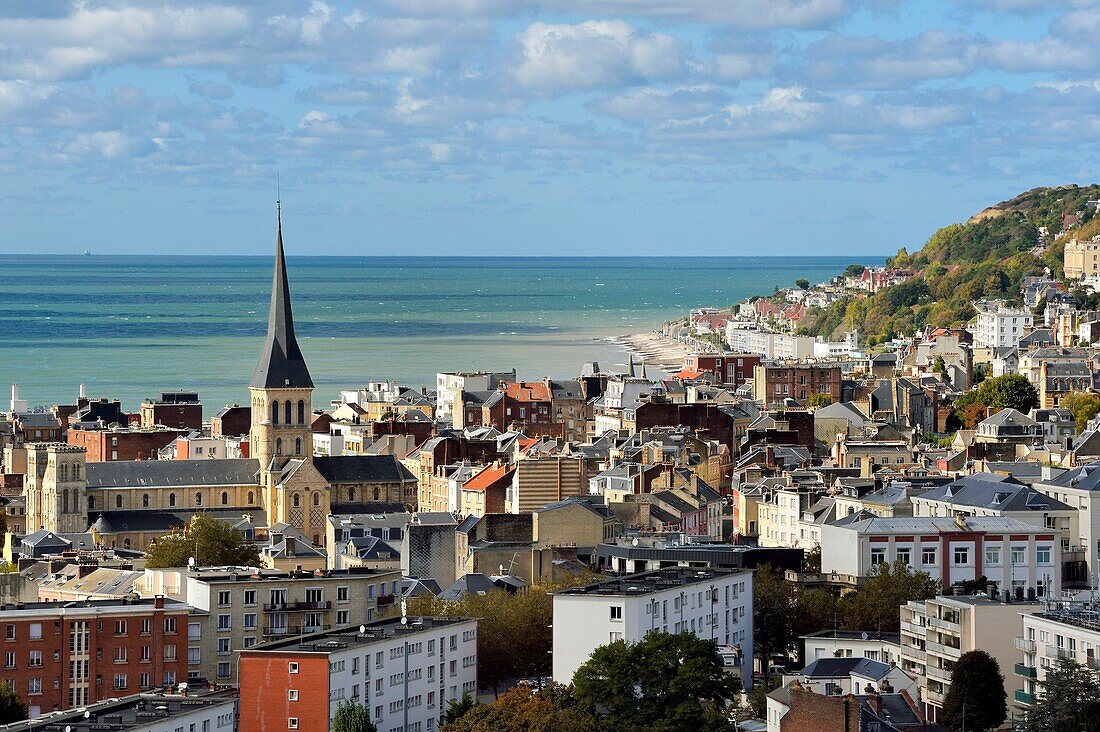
[(854, 270), (874, 606), (210, 541), (514, 638), (1063, 695), (523, 709), (819, 400), (352, 718), (802, 283), (773, 616), (811, 560), (1087, 719), (12, 708), (1084, 406), (976, 698), (457, 708), (1001, 392), (663, 682)]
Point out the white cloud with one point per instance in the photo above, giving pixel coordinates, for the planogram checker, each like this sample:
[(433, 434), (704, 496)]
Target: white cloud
[(110, 144), (655, 103), (746, 13), (595, 53)]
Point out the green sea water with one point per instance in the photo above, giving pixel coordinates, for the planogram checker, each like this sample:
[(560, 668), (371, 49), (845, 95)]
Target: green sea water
[(131, 326)]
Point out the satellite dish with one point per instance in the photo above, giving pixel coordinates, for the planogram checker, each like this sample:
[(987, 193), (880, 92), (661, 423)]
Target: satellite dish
[(404, 620), (634, 541), (864, 636), (362, 630), (190, 561)]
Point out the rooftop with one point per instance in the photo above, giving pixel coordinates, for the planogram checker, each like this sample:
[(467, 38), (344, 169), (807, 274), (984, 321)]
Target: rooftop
[(125, 713), (650, 582), (363, 635)]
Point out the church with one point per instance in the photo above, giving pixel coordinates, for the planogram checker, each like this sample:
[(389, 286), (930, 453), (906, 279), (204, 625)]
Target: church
[(128, 504)]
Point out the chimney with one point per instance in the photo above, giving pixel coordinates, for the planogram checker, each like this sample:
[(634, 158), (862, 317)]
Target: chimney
[(82, 394), (875, 701), (158, 601)]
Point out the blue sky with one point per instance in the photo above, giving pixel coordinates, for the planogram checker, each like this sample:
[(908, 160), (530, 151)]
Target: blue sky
[(656, 127)]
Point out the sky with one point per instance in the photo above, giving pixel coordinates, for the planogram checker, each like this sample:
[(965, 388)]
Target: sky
[(533, 127)]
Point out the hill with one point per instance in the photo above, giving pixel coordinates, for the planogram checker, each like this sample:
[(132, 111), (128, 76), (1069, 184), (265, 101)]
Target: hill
[(987, 256)]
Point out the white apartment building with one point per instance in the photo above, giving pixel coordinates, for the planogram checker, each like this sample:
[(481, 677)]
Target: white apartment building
[(1080, 489), (448, 385), (404, 671), (998, 326), (874, 645), (712, 603), (780, 346), (1058, 630), (170, 711), (1022, 558), (936, 632)]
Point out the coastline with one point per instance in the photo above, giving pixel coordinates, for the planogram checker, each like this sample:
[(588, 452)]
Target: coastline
[(656, 349)]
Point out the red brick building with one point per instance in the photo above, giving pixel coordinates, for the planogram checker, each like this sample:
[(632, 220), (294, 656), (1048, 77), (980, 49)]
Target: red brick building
[(180, 409), (727, 368), (122, 444), (59, 656), (232, 421), (773, 383)]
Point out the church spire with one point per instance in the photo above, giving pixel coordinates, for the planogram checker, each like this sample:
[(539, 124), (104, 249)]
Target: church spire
[(281, 364)]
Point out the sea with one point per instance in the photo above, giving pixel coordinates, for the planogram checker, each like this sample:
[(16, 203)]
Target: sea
[(129, 327)]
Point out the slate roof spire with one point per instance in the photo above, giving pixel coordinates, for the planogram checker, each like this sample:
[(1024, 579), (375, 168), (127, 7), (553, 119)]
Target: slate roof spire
[(281, 364)]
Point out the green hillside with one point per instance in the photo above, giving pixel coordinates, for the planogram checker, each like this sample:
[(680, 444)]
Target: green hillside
[(987, 256)]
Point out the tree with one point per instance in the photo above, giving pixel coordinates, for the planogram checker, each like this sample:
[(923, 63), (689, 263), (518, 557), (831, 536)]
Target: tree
[(811, 560), (939, 366), (12, 708), (457, 708), (523, 709), (352, 718), (663, 682), (1087, 719), (1009, 391), (874, 606), (854, 270), (819, 400), (802, 283), (1063, 695), (976, 698), (210, 541), (1084, 406), (772, 616), (972, 415)]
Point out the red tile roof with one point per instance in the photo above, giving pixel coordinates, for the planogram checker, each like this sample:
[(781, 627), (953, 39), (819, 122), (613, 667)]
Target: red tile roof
[(528, 391), (487, 477)]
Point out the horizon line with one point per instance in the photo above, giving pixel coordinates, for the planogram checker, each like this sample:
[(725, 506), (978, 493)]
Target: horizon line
[(457, 256)]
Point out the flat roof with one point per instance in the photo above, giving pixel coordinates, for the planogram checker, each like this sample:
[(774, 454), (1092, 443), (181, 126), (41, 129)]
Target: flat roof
[(656, 580), (257, 574), (342, 638), (116, 715)]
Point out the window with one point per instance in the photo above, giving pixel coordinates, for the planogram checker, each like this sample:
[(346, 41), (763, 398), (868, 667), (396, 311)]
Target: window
[(223, 670), (928, 556), (993, 556), (617, 612), (145, 500), (1042, 555), (34, 685), (293, 667), (616, 636), (35, 631), (275, 413), (292, 723), (225, 598), (9, 632), (194, 656), (342, 594), (297, 445), (904, 555), (301, 412), (292, 695), (249, 641), (170, 652), (878, 556), (250, 597), (118, 501), (35, 659), (287, 416), (225, 498), (194, 631), (9, 659), (224, 646), (171, 499), (225, 622), (249, 621), (120, 654), (962, 556), (1019, 555), (169, 625), (198, 499)]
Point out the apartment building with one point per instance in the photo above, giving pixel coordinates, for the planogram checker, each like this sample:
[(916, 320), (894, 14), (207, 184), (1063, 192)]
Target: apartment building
[(1022, 558), (543, 480), (999, 326), (244, 606), (772, 383), (404, 673), (1080, 489), (712, 603), (1057, 630), (936, 632), (63, 655), (172, 711), (1082, 258), (449, 385)]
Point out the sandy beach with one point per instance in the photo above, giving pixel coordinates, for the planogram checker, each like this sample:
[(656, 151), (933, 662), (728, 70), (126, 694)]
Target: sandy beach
[(655, 348)]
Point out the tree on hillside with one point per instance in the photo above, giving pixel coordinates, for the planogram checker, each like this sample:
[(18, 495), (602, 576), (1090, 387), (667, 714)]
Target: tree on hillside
[(976, 698), (211, 542), (663, 682), (1001, 392), (819, 400), (523, 709), (1084, 406), (352, 718), (854, 270), (12, 708), (1063, 695), (874, 606)]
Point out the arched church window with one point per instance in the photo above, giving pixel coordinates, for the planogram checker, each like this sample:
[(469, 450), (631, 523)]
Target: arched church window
[(279, 446), (288, 417), (274, 412), (316, 499), (297, 445), (125, 543), (251, 497), (171, 499), (76, 471), (145, 500), (351, 494), (225, 498), (118, 501), (301, 411), (63, 472), (297, 501), (376, 493), (65, 501)]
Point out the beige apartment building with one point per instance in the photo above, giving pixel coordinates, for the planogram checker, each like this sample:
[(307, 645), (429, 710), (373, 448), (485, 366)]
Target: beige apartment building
[(545, 480), (239, 607), (1082, 258)]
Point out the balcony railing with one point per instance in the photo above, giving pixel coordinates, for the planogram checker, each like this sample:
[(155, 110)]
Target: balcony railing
[(1024, 698), (934, 622), (1025, 671), (1053, 652), (943, 649), (281, 630), (1024, 644), (287, 607)]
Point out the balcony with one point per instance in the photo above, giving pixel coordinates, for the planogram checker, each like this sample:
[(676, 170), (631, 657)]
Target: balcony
[(1053, 652), (934, 622), (1025, 671), (286, 630), (291, 607), (1024, 644), (1024, 698), (933, 697), (940, 674), (942, 649)]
